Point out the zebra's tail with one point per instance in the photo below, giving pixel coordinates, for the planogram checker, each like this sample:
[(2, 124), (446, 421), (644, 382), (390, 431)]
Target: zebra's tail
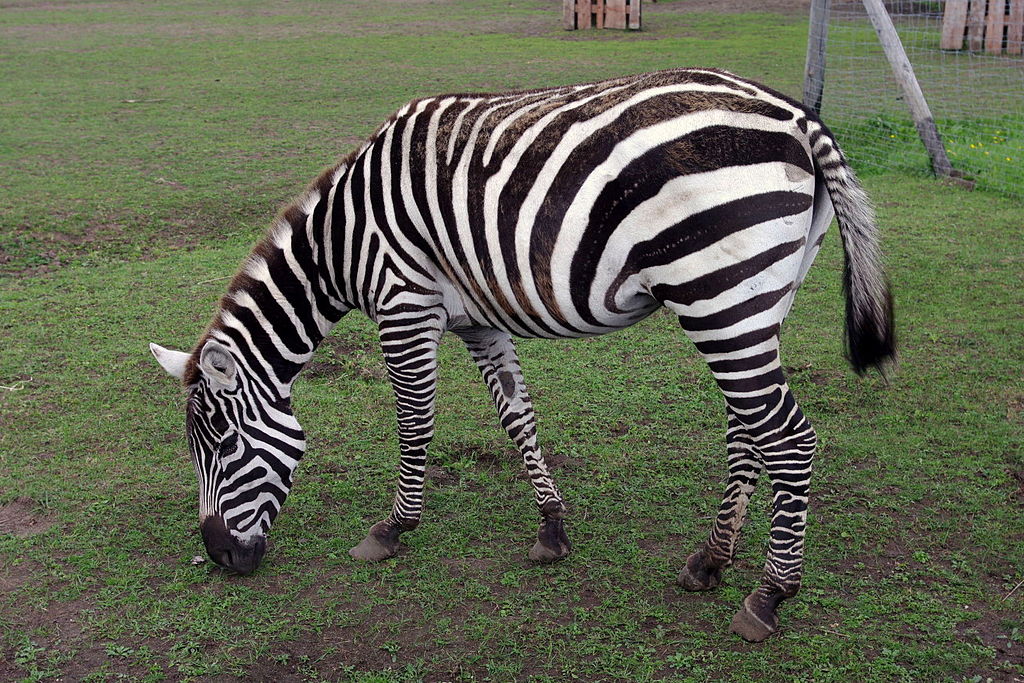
[(870, 331)]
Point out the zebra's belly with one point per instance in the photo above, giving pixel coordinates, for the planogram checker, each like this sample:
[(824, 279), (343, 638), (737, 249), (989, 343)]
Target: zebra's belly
[(472, 305)]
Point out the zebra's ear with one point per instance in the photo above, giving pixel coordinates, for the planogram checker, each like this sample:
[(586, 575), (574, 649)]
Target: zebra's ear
[(172, 361), (216, 362)]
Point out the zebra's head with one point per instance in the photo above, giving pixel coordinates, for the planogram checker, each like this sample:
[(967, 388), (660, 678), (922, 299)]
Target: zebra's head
[(245, 445)]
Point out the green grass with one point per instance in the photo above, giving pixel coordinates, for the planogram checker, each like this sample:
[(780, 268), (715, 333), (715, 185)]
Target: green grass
[(990, 152), (976, 100), (199, 120), (916, 536)]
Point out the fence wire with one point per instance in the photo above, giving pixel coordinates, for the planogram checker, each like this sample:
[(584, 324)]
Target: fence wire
[(976, 97)]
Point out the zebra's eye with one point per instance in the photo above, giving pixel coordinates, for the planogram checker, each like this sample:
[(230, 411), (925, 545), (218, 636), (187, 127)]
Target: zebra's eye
[(219, 423), (228, 444)]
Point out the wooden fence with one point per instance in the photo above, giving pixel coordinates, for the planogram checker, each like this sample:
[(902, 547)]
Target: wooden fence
[(602, 14), (989, 25)]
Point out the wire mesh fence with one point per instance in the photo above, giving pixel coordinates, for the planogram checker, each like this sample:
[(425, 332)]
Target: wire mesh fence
[(974, 88)]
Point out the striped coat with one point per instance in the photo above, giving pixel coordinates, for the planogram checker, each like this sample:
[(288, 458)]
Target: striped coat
[(565, 212)]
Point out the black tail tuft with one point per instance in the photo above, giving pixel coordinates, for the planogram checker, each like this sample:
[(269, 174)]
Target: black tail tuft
[(870, 330)]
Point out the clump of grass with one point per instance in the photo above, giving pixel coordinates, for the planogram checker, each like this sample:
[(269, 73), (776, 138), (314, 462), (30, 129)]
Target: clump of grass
[(988, 151)]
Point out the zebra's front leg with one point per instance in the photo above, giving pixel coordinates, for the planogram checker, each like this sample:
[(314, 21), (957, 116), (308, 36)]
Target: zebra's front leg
[(703, 569), (411, 358), (495, 355)]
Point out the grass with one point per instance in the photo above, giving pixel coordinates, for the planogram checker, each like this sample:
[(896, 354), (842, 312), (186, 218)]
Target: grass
[(987, 151), (916, 540), (198, 120), (976, 100)]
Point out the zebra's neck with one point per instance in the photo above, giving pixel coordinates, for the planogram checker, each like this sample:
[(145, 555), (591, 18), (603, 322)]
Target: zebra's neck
[(286, 297)]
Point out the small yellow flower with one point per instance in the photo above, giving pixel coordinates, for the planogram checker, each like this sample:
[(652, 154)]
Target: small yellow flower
[(892, 136), (1009, 159), (972, 146)]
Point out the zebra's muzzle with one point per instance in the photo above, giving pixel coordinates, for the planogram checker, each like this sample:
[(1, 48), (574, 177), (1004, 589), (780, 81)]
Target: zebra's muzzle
[(226, 550)]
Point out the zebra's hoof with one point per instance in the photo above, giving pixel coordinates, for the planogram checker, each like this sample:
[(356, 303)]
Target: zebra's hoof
[(698, 574), (552, 542), (749, 626), (380, 544)]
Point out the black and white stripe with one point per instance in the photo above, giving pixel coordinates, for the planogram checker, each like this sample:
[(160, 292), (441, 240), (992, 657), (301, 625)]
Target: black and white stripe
[(566, 212)]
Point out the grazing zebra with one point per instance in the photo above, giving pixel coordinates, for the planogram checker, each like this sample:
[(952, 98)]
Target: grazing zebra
[(566, 212)]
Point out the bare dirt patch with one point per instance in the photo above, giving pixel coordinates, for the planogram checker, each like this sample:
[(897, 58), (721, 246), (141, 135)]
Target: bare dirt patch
[(1015, 409), (808, 373), (999, 630), (317, 368), (341, 346), (15, 575), (22, 518), (439, 477), (462, 464), (59, 626), (485, 459), (556, 461), (618, 429)]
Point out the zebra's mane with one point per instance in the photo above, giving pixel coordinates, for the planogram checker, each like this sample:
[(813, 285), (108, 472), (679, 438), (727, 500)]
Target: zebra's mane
[(289, 219)]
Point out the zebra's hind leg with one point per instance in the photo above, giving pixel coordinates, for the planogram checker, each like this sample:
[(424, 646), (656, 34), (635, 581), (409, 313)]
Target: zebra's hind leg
[(787, 443), (747, 369), (703, 569), (495, 355), (757, 394), (410, 353)]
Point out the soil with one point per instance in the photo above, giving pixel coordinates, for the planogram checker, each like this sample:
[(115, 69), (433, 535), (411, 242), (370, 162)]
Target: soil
[(344, 358), (21, 518), (990, 628)]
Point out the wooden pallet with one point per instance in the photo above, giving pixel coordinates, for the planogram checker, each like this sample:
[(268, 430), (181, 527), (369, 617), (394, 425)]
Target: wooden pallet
[(602, 14), (989, 25)]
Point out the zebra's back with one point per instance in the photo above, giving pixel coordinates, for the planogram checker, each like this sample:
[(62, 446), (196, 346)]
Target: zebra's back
[(542, 209)]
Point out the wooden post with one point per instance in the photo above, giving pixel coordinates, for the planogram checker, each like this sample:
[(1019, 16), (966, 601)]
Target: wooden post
[(904, 73), (814, 69), (583, 13), (976, 26), (569, 15), (1015, 27), (615, 14), (634, 15), (994, 27), (954, 20)]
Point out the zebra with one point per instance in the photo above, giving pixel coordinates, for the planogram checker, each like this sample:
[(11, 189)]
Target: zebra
[(553, 213)]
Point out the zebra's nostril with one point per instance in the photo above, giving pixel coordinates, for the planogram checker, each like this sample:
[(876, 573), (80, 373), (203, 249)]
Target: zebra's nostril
[(229, 553), (218, 541), (223, 558)]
